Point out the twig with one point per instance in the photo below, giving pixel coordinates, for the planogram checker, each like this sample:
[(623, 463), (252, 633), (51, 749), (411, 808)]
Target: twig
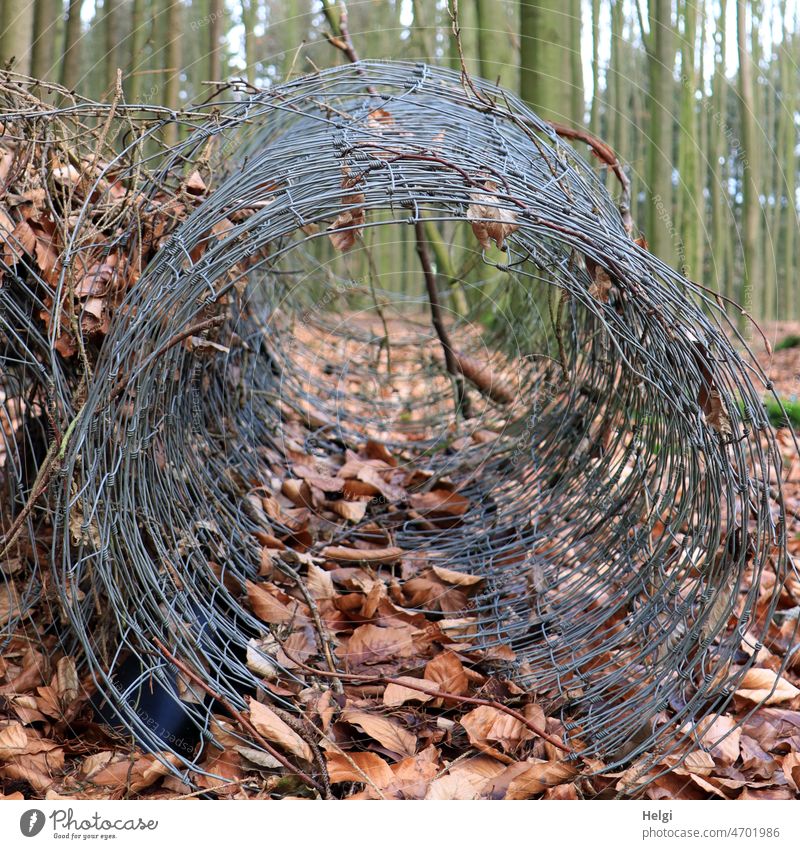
[(300, 727), (324, 637), (438, 694), (450, 359), (466, 78), (237, 715), (605, 154), (340, 37), (200, 327)]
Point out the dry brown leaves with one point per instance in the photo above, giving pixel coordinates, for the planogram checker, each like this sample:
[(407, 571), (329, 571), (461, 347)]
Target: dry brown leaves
[(490, 221)]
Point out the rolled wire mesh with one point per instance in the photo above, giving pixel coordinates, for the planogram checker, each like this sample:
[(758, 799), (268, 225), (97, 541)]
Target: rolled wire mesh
[(622, 482)]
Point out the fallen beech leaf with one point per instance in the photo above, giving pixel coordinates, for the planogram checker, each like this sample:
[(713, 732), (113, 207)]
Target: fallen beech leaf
[(721, 736), (134, 773), (696, 763), (359, 766), (791, 769), (460, 579), (349, 225), (438, 502), (9, 602), (13, 741), (353, 511), (447, 672), (452, 787), (412, 776), (267, 607), (271, 726), (371, 644), (67, 684), (320, 583), (194, 184), (397, 694), (379, 118), (528, 778), (362, 555), (388, 732), (489, 221), (600, 288), (378, 451), (486, 725), (765, 686), (465, 779)]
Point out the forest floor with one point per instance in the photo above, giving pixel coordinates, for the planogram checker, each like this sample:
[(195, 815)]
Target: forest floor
[(420, 714)]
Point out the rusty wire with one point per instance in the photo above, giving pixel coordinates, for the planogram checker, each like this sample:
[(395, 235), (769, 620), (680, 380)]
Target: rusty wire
[(615, 517)]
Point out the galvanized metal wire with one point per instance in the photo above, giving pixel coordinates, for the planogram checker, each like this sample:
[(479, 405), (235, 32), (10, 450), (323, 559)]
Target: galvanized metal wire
[(622, 516)]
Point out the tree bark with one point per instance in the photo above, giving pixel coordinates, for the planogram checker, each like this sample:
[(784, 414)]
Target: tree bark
[(136, 63), (594, 115), (172, 81), (545, 65), (789, 156), (249, 17), (46, 16), (751, 211), (71, 61), (691, 202), (216, 11), (660, 64), (111, 10), (16, 34)]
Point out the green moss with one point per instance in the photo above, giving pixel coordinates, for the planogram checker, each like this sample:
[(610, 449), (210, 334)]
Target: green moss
[(788, 417), (790, 341)]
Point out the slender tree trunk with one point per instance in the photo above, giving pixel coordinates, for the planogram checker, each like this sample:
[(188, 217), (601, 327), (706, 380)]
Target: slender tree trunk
[(545, 64), (690, 191), (249, 17), (71, 61), (16, 35), (702, 152), (616, 111), (136, 63), (485, 14), (215, 40), (661, 56), (718, 156), (790, 224), (577, 99), (751, 211), (172, 80), (46, 15), (292, 36), (111, 9), (594, 115)]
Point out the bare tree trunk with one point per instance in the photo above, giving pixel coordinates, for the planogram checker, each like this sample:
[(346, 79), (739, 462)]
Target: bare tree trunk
[(71, 62), (133, 81), (112, 32), (16, 34), (249, 17), (661, 61), (578, 102), (690, 209), (789, 56), (172, 77), (545, 65), (594, 115), (46, 15), (718, 155), (215, 40), (751, 210)]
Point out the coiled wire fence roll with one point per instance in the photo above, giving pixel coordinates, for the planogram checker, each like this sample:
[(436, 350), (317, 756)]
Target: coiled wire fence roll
[(613, 517)]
